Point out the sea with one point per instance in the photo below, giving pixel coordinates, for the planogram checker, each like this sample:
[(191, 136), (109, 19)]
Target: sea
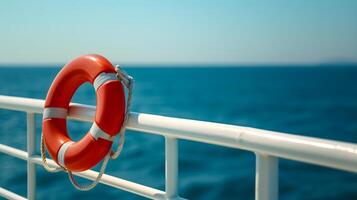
[(316, 101)]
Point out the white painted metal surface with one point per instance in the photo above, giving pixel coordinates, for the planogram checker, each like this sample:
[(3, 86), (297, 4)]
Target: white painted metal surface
[(31, 150), (266, 173), (91, 175), (268, 146), (171, 167), (10, 195)]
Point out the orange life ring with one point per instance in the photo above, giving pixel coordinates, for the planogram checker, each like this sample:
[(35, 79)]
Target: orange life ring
[(109, 116)]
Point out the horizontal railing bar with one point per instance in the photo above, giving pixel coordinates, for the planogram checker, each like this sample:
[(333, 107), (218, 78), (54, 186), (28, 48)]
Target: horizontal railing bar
[(340, 155), (17, 153), (112, 181), (10, 195), (21, 104)]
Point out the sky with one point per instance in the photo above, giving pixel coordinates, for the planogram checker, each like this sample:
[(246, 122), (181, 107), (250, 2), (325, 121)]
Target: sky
[(179, 32)]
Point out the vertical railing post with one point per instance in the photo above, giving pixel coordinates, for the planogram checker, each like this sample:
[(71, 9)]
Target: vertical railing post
[(31, 167), (171, 167), (266, 177)]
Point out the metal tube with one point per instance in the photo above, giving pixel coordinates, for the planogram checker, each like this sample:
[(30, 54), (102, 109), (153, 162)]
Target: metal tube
[(266, 177), (269, 144), (339, 155), (10, 195), (112, 181), (31, 147), (171, 168)]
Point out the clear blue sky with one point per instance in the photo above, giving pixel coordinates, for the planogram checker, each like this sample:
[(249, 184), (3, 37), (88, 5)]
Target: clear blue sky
[(179, 31)]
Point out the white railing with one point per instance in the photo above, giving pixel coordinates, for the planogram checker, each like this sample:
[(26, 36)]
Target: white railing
[(267, 145)]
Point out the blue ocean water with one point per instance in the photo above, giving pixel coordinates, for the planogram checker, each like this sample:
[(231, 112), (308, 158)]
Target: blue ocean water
[(312, 101)]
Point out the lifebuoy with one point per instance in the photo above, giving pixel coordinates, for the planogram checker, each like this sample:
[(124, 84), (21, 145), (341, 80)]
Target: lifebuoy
[(109, 116)]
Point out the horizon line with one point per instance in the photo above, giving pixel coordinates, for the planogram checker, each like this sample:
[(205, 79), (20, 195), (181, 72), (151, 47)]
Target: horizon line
[(197, 64)]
